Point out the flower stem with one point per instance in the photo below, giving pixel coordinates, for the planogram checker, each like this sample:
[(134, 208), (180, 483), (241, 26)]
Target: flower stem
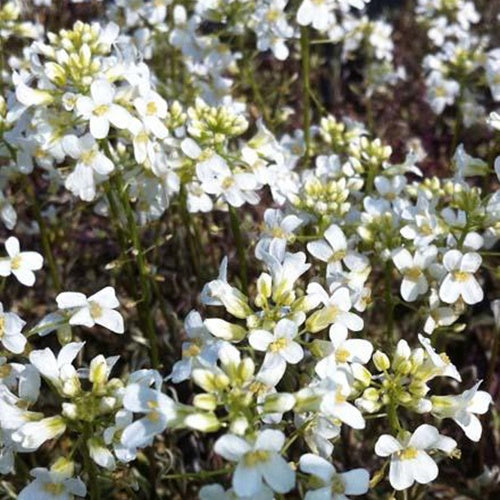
[(389, 303), (89, 464), (236, 228), (145, 303), (44, 236), (306, 87)]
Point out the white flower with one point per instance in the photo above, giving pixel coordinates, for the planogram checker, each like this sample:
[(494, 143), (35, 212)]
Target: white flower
[(441, 92), (59, 370), (332, 249), (159, 409), (280, 349), (217, 492), (10, 331), (336, 311), (90, 161), (217, 178), (410, 461), (341, 351), (336, 486), (462, 409), (96, 309), (100, 110), (493, 120), (20, 264), (278, 230), (200, 349), (460, 280), (413, 270), (257, 461), (152, 109), (319, 13), (54, 484), (32, 435)]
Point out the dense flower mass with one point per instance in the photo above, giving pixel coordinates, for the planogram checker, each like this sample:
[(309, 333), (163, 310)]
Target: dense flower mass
[(250, 249)]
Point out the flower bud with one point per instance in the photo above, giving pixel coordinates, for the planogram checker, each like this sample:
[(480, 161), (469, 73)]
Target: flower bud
[(381, 361)]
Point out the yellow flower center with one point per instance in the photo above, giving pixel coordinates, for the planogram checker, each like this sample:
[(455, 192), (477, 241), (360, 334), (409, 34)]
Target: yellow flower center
[(413, 273), (460, 276), (95, 310), (55, 489), (408, 454), (278, 344), (192, 350), (2, 326), (88, 156), (252, 458), (445, 358), (338, 486), (338, 255), (272, 15), (151, 108), (227, 183), (339, 397), (15, 263), (153, 415), (101, 110), (342, 355)]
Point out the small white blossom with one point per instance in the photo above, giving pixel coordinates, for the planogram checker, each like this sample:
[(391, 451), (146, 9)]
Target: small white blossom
[(20, 264), (410, 461), (96, 309)]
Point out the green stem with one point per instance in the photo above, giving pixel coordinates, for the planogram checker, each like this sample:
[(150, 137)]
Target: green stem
[(44, 235), (189, 226), (89, 464), (236, 228), (389, 303), (306, 87), (145, 304)]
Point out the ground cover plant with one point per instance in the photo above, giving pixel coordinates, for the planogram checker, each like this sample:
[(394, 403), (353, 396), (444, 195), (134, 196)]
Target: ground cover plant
[(249, 249)]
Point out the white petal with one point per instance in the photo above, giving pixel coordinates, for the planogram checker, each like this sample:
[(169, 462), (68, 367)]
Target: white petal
[(470, 262), (424, 437), (425, 469), (472, 292), (318, 466), (286, 328), (12, 246), (449, 291), (293, 353), (112, 320), (278, 474), (24, 276), (356, 481), (65, 300), (247, 481), (14, 343), (387, 445), (231, 447), (69, 352), (105, 298), (260, 339), (270, 439), (451, 260), (82, 317), (99, 126), (401, 474), (320, 249)]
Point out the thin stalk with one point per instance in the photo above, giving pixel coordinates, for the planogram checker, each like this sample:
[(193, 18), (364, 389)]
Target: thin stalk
[(187, 220), (306, 87), (89, 465), (145, 304), (44, 236), (236, 229), (389, 303)]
